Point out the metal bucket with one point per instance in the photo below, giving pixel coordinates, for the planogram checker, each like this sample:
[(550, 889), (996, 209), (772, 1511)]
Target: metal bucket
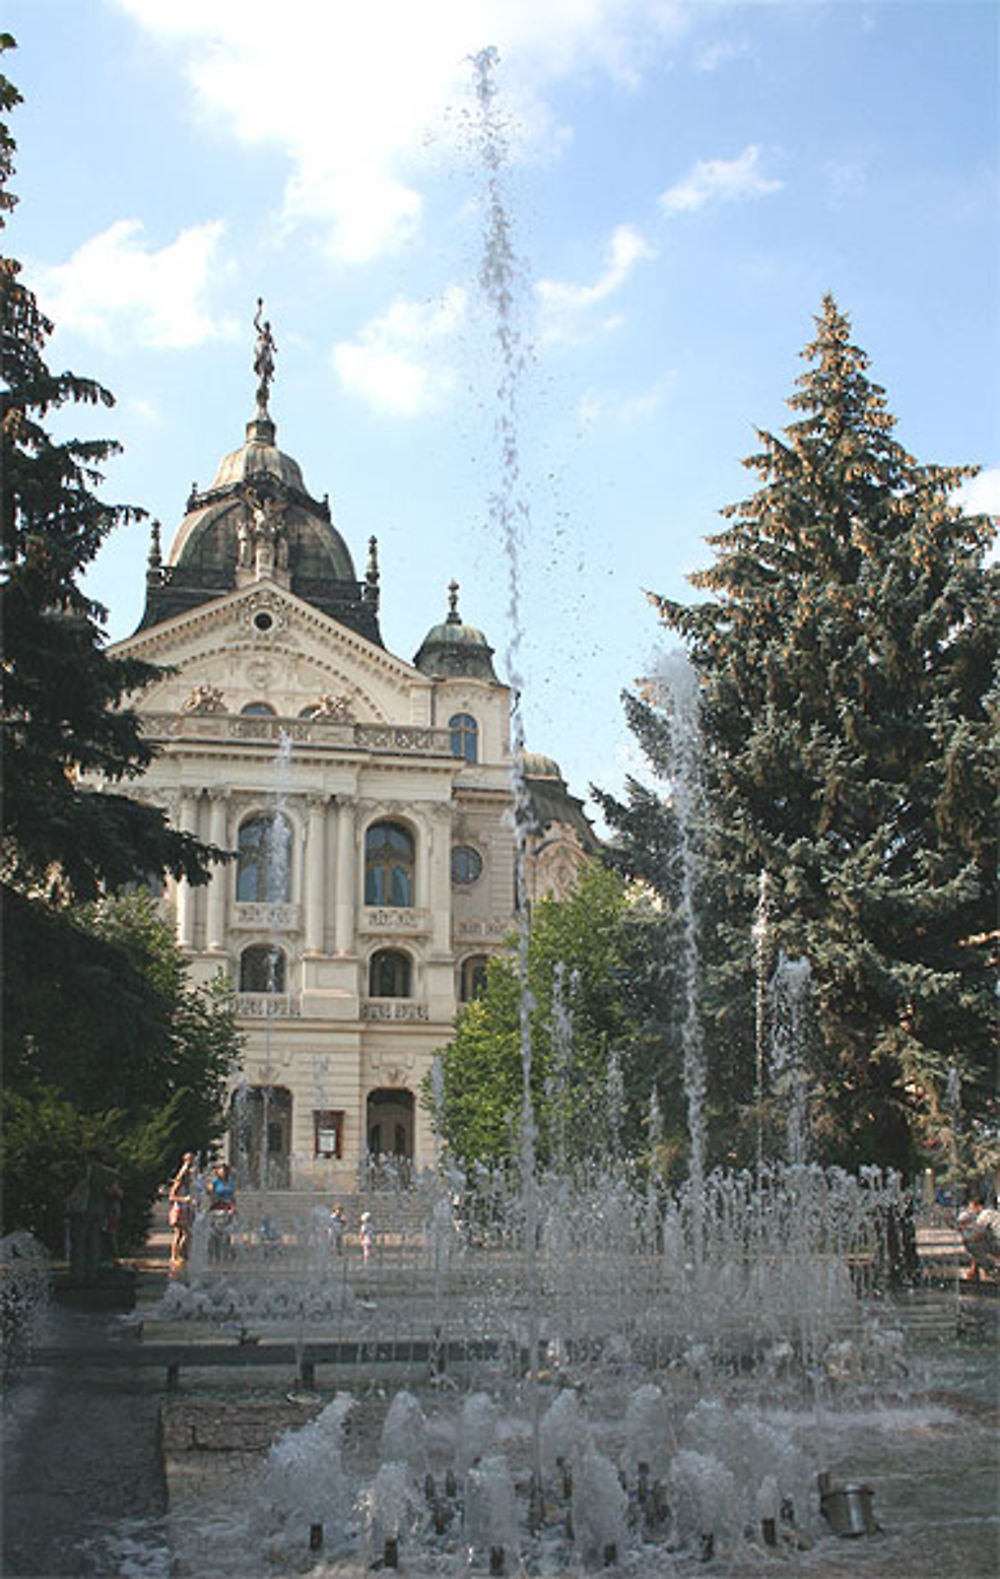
[(848, 1509)]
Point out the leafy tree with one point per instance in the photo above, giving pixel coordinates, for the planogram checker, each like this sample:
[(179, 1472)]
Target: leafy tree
[(577, 1018), (845, 658), (137, 1067), (646, 851)]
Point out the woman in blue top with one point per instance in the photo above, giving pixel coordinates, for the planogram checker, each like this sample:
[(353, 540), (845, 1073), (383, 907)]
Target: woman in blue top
[(221, 1189)]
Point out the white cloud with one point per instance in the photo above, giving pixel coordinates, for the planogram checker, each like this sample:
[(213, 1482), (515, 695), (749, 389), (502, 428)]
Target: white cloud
[(712, 56), (625, 410), (565, 308), (981, 495), (117, 288), (361, 98), (720, 181), (398, 362)]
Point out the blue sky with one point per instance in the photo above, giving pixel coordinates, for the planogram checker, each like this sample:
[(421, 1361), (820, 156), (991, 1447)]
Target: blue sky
[(684, 182)]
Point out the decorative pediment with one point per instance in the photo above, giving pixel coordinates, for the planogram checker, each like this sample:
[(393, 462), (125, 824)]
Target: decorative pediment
[(263, 647)]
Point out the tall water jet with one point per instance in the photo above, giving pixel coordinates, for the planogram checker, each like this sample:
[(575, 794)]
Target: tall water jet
[(789, 995), (760, 934), (677, 683), (500, 273)]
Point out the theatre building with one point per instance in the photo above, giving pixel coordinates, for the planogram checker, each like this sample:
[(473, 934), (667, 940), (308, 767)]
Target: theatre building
[(369, 803)]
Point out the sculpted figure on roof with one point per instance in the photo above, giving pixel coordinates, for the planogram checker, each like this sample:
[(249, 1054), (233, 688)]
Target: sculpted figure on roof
[(264, 354)]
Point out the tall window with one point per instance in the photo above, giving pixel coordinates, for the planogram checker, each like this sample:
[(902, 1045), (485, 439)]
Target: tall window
[(389, 975), (264, 871), (262, 968), (464, 737), (389, 862), (472, 981)]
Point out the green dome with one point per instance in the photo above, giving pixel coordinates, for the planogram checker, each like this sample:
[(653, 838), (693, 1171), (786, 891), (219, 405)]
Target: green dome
[(452, 649), (535, 766)]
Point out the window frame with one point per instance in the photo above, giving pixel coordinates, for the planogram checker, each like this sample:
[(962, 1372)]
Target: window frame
[(259, 863), (265, 951), (401, 961), (464, 731), (390, 877)]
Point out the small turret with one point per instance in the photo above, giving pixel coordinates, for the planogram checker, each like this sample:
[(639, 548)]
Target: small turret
[(452, 649)]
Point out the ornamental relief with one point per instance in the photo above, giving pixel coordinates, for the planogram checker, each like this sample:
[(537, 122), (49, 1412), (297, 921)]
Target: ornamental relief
[(205, 699), (396, 1066)]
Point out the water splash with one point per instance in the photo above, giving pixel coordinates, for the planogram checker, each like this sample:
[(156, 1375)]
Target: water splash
[(789, 1005), (501, 274), (675, 686), (760, 933)]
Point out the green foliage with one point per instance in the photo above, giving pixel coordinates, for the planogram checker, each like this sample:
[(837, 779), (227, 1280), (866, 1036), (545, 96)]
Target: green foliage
[(846, 664), (104, 1041), (123, 1055), (579, 1015), (61, 689)]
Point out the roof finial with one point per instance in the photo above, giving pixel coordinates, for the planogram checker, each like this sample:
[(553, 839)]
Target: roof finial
[(371, 592), (155, 551), (263, 360), (453, 615)]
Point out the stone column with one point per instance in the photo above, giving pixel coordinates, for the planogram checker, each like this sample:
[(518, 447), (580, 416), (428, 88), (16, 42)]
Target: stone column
[(347, 877), (188, 823), (422, 888), (222, 876), (439, 893), (315, 873)]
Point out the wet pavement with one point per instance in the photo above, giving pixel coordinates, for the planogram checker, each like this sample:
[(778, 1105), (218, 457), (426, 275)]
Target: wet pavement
[(81, 1454)]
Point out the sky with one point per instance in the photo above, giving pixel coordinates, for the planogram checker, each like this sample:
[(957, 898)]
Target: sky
[(678, 184)]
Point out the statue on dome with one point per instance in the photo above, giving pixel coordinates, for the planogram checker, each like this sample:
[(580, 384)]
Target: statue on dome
[(264, 354), (262, 541)]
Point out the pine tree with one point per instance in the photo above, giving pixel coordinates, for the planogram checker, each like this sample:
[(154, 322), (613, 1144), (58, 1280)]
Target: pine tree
[(849, 708), (95, 1048), (61, 689)]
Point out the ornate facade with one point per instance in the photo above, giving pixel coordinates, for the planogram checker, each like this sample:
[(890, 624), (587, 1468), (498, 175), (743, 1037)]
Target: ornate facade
[(368, 801)]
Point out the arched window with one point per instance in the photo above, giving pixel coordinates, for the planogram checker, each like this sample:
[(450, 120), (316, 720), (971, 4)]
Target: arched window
[(466, 864), (262, 968), (264, 869), (389, 862), (472, 981), (464, 737), (258, 710), (389, 974)]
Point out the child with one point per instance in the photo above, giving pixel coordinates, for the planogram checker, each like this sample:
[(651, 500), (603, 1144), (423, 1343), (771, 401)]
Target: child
[(366, 1234)]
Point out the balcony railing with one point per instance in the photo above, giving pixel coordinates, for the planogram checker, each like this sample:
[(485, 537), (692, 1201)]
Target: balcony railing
[(336, 734), (392, 918), (473, 928), (267, 1005), (266, 916), (394, 1009)]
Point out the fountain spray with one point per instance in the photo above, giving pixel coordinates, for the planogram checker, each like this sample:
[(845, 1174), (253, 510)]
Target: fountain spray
[(499, 274)]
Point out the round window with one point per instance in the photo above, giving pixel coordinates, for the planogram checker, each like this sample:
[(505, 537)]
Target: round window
[(262, 621), (466, 864)]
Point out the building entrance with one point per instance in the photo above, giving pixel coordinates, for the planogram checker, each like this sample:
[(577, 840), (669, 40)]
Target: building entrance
[(390, 1124), (260, 1130)]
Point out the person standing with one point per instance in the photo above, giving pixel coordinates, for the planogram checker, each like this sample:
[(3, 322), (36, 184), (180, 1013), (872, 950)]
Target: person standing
[(182, 1209), (87, 1210), (366, 1234)]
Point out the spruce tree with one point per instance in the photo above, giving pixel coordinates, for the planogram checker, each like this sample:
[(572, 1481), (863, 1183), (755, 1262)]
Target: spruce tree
[(62, 690), (849, 705), (98, 1047)]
